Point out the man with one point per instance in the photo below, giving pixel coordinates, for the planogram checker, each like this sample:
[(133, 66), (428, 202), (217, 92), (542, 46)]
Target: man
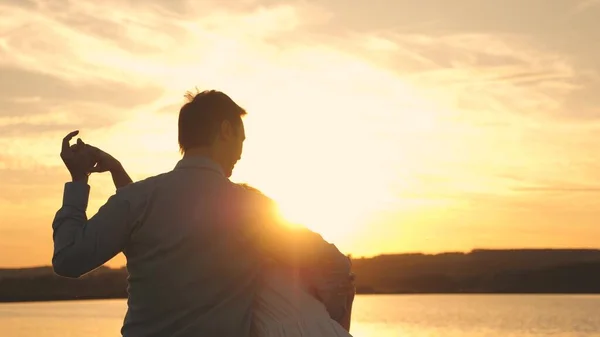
[(194, 241)]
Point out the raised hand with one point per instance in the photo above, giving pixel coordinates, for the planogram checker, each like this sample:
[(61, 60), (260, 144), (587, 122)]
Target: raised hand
[(77, 160), (104, 161)]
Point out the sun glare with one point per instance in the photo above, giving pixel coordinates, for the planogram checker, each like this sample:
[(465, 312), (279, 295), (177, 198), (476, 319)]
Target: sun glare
[(334, 206), (334, 221), (331, 166)]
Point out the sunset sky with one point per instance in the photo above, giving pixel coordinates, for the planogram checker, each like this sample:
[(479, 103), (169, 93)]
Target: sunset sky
[(388, 126)]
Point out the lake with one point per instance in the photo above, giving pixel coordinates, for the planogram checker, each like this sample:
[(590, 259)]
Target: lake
[(374, 315)]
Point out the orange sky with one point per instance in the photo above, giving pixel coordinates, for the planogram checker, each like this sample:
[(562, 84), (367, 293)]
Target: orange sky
[(388, 126)]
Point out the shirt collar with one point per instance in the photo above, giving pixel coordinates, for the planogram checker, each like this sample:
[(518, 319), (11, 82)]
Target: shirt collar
[(199, 162)]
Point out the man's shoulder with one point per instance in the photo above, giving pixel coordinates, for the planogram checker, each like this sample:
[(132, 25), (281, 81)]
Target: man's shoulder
[(141, 187)]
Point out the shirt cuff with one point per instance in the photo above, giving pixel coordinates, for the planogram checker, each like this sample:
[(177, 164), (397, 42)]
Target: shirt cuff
[(76, 194)]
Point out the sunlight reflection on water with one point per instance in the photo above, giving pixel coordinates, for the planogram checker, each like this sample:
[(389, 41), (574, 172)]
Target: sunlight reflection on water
[(376, 315)]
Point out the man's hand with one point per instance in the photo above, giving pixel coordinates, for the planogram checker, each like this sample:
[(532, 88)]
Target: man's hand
[(104, 161), (76, 159)]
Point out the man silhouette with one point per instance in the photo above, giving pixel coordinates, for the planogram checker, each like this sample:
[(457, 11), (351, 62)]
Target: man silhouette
[(194, 241)]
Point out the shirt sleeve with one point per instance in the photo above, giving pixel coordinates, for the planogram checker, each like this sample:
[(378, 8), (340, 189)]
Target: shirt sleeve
[(82, 245), (334, 285)]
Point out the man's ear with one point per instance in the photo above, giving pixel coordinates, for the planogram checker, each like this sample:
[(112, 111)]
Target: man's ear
[(227, 131)]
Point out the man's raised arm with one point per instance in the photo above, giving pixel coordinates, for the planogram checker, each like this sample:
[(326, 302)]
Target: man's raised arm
[(81, 245)]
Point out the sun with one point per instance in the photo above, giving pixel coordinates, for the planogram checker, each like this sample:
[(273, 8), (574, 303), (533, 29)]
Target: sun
[(336, 203), (333, 221), (333, 166), (333, 207)]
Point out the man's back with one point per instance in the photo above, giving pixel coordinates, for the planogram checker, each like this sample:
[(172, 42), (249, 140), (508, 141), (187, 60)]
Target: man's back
[(191, 237), (194, 242), (189, 273)]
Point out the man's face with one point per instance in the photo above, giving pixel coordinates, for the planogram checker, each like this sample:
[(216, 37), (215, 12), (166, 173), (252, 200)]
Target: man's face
[(234, 145)]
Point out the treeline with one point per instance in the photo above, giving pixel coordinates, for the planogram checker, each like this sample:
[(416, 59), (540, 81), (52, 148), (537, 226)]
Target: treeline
[(44, 285), (480, 271)]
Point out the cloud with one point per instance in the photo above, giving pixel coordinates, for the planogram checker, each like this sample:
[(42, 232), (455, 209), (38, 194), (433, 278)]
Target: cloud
[(25, 180), (439, 16), (21, 86), (526, 57), (490, 76), (553, 189), (475, 80), (117, 40), (478, 70), (33, 104), (109, 69), (430, 100), (583, 5)]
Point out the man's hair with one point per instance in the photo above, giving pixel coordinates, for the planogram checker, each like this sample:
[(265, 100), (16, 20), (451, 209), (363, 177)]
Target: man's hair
[(201, 117)]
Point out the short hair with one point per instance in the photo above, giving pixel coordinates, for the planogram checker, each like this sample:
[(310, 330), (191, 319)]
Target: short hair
[(201, 117)]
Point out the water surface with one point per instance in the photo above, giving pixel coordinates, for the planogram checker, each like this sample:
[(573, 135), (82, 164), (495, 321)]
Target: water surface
[(374, 315)]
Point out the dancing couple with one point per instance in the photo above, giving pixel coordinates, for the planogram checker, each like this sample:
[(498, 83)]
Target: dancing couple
[(205, 256)]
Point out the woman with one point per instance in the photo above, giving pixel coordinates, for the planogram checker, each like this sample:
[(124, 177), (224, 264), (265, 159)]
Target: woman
[(286, 306), (297, 303)]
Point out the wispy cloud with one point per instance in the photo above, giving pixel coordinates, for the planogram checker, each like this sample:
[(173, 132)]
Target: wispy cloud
[(584, 5), (553, 189)]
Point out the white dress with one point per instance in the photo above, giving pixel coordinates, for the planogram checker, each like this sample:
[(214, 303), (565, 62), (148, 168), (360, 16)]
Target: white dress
[(285, 308)]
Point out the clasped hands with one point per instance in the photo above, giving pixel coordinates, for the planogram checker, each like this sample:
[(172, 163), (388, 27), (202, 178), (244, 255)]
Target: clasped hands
[(83, 159)]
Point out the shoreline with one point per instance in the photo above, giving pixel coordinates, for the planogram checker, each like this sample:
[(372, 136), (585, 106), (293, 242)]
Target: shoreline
[(91, 298)]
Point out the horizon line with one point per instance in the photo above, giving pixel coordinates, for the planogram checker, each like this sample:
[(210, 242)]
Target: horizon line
[(466, 252)]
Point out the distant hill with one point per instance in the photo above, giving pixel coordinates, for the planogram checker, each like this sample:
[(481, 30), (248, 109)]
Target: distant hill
[(480, 271), (28, 273), (31, 285), (25, 272)]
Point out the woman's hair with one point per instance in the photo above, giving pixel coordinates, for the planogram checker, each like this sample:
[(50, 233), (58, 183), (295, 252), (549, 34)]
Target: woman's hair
[(250, 188), (271, 202)]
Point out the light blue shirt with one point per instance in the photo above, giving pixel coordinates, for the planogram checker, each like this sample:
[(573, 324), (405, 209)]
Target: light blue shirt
[(195, 245)]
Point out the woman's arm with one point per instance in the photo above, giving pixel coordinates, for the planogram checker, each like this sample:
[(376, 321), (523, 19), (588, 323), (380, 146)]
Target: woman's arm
[(106, 162), (334, 287), (347, 318), (120, 177)]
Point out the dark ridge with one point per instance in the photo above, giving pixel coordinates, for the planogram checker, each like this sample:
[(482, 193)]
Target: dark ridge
[(574, 271)]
